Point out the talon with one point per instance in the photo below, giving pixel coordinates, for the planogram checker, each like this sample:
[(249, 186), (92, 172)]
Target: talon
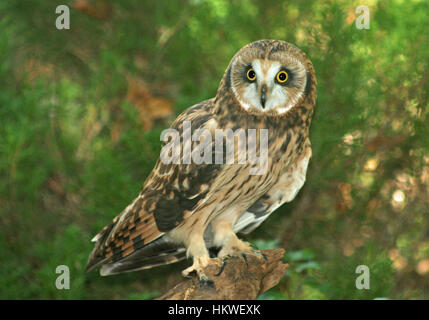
[(222, 267), (245, 259), (186, 272), (264, 256), (254, 246), (261, 254), (206, 281)]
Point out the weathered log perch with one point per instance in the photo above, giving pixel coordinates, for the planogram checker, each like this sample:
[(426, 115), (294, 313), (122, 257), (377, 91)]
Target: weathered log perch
[(238, 281)]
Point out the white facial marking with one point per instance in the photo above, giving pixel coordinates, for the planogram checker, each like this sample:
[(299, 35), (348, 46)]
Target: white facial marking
[(251, 94), (264, 76)]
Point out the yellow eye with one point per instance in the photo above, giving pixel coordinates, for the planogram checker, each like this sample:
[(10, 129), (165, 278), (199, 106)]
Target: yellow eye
[(251, 75), (282, 76)]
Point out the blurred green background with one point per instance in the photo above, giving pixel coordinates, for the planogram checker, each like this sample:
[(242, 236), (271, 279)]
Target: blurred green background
[(81, 112)]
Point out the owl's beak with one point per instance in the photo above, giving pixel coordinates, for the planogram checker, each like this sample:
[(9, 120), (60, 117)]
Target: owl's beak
[(263, 95)]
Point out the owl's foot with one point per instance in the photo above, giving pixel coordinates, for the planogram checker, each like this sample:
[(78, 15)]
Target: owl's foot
[(238, 249), (198, 267), (234, 248), (222, 266)]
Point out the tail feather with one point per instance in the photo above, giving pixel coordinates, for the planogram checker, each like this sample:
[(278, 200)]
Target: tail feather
[(133, 230), (159, 252)]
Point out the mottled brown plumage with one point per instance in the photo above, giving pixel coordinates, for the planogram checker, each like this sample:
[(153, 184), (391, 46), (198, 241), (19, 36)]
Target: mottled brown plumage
[(187, 208)]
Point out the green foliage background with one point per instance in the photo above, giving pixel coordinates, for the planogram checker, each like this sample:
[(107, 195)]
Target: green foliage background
[(74, 153)]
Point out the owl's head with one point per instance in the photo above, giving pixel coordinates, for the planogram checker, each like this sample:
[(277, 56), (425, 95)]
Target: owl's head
[(270, 77)]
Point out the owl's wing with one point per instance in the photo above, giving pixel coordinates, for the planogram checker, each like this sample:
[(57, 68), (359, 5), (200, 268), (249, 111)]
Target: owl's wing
[(285, 190), (136, 237)]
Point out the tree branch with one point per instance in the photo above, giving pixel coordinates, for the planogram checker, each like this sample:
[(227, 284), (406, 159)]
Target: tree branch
[(238, 281)]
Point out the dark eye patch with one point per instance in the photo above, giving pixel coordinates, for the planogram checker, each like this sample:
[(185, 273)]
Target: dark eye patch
[(246, 72), (289, 79)]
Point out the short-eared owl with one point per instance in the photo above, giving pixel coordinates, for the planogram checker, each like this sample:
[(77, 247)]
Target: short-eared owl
[(186, 208)]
